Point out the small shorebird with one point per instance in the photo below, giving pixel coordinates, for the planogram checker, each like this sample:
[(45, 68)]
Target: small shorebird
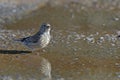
[(38, 40)]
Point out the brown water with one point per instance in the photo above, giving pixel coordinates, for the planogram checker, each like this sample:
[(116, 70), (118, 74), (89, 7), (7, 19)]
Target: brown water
[(84, 45)]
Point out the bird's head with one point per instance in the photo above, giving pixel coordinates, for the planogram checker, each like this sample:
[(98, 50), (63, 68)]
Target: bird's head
[(45, 27)]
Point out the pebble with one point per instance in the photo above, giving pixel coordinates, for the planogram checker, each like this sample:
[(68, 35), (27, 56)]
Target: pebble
[(116, 19)]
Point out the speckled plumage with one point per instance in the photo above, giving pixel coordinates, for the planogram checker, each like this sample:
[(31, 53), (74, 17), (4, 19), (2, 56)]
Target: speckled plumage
[(39, 40)]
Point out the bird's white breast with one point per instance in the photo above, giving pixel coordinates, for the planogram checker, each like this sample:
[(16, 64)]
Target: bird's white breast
[(44, 39)]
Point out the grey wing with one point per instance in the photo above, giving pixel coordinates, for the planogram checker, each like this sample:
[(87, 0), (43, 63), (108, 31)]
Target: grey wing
[(32, 39)]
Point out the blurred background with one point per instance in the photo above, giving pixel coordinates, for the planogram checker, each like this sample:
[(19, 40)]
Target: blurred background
[(84, 45)]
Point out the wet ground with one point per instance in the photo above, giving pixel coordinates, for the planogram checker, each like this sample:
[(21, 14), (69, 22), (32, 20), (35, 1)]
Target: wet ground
[(84, 43)]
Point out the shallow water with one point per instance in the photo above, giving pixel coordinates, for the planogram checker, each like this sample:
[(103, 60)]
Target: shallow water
[(84, 43)]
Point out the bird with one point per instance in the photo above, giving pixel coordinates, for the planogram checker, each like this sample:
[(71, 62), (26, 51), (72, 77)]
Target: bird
[(39, 40)]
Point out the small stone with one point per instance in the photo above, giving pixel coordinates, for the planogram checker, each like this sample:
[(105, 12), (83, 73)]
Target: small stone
[(14, 10), (116, 19), (117, 64)]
